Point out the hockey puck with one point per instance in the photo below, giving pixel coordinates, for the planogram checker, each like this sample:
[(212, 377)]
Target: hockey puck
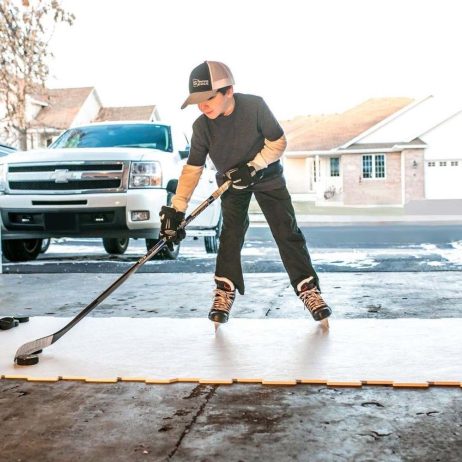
[(7, 323), (21, 318), (28, 360)]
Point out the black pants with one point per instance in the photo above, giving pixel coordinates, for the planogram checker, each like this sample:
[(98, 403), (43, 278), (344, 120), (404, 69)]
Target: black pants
[(279, 213)]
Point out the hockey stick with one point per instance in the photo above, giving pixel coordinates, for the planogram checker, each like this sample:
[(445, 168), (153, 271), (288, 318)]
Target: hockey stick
[(27, 353)]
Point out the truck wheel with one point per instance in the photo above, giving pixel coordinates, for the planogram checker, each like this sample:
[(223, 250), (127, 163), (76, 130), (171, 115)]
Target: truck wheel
[(211, 242), (166, 253), (21, 249), (115, 246)]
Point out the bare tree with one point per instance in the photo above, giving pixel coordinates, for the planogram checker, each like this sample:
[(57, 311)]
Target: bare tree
[(26, 27)]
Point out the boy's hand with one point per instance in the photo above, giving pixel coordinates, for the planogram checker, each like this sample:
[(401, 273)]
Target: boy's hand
[(170, 219), (242, 177)]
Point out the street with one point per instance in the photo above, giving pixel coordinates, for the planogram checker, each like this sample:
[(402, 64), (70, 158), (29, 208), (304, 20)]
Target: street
[(365, 248)]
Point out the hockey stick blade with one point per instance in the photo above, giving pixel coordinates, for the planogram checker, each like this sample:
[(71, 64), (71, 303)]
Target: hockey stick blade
[(41, 343)]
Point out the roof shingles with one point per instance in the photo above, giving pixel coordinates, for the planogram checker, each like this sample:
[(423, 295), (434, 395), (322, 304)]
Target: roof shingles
[(63, 106), (113, 114), (332, 131)]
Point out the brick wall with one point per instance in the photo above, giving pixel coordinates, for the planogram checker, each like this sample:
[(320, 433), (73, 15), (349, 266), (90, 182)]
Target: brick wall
[(374, 191)]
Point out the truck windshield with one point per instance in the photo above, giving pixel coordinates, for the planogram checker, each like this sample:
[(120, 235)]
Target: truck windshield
[(112, 136)]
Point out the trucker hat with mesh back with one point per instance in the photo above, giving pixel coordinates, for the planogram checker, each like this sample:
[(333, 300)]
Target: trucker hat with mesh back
[(205, 80)]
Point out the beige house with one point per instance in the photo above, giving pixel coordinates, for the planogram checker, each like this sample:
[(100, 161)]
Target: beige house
[(386, 151), (316, 165), (55, 110)]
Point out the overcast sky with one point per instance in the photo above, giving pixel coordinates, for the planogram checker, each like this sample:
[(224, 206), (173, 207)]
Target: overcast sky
[(302, 56)]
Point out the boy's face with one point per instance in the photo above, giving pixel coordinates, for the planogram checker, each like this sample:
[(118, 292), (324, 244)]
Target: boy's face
[(218, 105)]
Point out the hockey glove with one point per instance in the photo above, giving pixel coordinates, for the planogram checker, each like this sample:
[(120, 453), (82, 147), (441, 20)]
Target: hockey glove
[(170, 220), (242, 177)]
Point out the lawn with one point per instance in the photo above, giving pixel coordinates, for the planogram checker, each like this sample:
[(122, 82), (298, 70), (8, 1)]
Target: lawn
[(309, 208)]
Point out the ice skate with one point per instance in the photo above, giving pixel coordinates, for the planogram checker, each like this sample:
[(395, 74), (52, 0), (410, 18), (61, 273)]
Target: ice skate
[(222, 302), (311, 297)]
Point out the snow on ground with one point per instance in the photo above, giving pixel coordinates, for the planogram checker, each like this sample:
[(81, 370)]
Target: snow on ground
[(93, 252)]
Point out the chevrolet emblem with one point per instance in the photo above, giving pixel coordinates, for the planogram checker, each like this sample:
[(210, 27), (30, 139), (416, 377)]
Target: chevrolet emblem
[(61, 176)]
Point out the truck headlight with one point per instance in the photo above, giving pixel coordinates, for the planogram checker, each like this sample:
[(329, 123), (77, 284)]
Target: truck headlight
[(145, 175), (2, 177)]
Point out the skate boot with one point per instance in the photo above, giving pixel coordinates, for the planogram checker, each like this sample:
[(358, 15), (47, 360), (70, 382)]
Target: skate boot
[(311, 297), (223, 300)]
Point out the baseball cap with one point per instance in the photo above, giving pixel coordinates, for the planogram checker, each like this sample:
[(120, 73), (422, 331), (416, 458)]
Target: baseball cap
[(205, 80)]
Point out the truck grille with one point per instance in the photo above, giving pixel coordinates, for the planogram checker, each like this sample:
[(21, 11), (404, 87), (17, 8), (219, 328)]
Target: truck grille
[(70, 177)]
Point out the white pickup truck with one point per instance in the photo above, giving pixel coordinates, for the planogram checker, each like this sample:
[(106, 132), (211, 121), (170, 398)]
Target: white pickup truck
[(105, 180)]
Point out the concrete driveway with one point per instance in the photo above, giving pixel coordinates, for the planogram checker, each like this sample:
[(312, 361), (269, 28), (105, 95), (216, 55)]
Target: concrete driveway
[(68, 421)]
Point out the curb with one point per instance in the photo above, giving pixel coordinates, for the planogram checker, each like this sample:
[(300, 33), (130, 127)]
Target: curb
[(258, 218)]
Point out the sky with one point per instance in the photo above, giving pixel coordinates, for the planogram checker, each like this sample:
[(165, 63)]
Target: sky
[(302, 56)]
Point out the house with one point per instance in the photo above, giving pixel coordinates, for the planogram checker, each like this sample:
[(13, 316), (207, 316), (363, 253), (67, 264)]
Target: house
[(52, 111), (386, 151)]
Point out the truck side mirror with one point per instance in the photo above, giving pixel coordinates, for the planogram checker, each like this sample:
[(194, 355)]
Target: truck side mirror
[(171, 186), (184, 154)]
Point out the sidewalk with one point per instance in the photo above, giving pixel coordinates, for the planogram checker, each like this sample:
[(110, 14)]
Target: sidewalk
[(258, 218)]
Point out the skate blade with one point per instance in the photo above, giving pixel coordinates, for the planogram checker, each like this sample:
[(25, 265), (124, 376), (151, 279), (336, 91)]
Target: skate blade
[(324, 323), (216, 325)]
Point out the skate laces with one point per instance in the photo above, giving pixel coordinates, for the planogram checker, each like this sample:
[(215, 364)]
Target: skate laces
[(223, 300), (311, 297)]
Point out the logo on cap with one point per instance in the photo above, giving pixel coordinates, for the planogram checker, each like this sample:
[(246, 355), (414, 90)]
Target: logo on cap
[(199, 83), (205, 80)]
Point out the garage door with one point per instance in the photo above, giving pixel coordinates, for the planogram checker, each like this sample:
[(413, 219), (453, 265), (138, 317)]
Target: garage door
[(443, 179)]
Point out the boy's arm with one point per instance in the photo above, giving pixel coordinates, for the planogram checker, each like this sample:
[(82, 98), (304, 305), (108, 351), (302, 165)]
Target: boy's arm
[(171, 217), (192, 170), (271, 152), (187, 182), (244, 176)]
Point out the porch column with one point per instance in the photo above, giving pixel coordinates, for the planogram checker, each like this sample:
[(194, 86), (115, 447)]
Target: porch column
[(308, 174), (317, 179)]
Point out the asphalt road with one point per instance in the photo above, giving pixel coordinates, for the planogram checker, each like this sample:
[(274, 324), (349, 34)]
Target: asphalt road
[(340, 248)]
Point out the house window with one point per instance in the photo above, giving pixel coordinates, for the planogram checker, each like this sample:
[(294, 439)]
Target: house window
[(442, 164), (334, 166), (454, 163), (431, 164), (374, 166)]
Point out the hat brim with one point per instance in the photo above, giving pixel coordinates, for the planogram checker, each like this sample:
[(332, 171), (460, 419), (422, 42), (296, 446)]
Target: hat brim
[(199, 97)]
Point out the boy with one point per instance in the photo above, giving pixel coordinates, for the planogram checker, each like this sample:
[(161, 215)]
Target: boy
[(245, 142)]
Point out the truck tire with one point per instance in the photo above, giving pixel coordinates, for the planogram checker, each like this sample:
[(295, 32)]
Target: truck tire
[(211, 242), (21, 249), (115, 246)]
